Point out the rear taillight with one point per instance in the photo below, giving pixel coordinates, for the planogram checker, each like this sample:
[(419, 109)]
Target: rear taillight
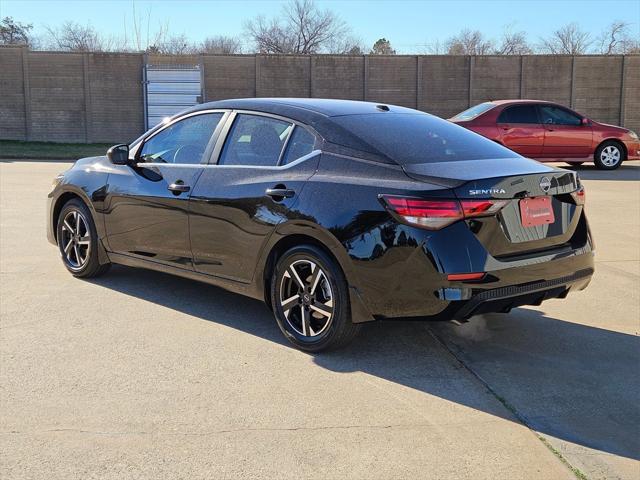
[(579, 195), (435, 214)]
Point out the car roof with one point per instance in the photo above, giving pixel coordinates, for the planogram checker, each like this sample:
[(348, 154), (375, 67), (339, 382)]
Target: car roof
[(327, 107), (521, 100)]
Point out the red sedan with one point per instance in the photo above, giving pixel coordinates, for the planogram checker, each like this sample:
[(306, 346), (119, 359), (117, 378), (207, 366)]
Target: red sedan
[(550, 132)]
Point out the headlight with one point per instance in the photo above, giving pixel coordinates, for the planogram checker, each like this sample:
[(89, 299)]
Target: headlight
[(633, 135)]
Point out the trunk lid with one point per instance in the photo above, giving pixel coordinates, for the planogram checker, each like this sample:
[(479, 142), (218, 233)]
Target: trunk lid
[(506, 234)]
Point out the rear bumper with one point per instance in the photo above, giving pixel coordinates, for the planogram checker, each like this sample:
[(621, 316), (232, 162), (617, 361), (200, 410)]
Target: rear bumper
[(505, 298)]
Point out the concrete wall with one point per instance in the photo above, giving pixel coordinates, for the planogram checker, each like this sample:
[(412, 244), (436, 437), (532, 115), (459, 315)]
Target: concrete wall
[(96, 97)]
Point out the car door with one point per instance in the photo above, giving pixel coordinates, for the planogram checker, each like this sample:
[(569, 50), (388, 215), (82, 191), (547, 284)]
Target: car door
[(146, 213), (237, 202), (520, 129), (565, 135)]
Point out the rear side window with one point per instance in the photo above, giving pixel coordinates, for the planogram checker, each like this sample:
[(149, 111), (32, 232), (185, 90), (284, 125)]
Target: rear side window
[(419, 138), (300, 144), (559, 116), (519, 114), (183, 142), (255, 140), (474, 111)]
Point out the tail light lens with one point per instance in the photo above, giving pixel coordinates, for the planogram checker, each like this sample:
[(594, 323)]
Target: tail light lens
[(579, 196), (436, 214)]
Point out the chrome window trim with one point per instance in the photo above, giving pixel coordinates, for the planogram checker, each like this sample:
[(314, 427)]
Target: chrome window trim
[(297, 161)]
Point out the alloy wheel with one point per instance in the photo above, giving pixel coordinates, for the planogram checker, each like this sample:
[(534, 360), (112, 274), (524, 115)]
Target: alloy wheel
[(75, 239), (610, 156), (306, 298)]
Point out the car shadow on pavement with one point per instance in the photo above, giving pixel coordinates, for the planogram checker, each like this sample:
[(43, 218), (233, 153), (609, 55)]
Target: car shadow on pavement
[(626, 172), (566, 380)]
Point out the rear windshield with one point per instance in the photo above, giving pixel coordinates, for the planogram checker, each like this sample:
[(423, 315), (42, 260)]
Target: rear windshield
[(473, 112), (409, 138)]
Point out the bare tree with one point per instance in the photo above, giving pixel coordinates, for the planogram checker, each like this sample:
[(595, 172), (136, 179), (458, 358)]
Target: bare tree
[(221, 44), (304, 29), (513, 43), (14, 33), (616, 39), (73, 37), (569, 40), (469, 42), (173, 45), (382, 47)]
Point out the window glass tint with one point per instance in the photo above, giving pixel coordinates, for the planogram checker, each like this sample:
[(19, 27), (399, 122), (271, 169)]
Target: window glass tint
[(473, 112), (255, 140), (300, 144), (519, 114), (420, 138), (558, 116), (183, 142)]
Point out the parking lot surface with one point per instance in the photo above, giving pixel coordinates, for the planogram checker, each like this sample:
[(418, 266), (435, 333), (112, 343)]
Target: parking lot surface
[(139, 374)]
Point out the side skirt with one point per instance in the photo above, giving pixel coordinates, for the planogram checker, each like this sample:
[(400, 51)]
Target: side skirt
[(246, 289)]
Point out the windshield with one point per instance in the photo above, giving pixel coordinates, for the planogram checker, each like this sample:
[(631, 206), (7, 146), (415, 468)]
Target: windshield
[(473, 112), (409, 138)]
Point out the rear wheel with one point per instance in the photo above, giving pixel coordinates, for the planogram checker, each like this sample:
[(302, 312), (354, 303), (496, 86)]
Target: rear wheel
[(609, 156), (78, 241), (310, 300)]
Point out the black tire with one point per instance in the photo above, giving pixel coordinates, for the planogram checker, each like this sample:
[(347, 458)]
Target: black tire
[(609, 155), (331, 294), (81, 258)]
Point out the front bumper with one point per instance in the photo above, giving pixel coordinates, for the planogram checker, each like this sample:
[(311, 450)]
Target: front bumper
[(633, 150)]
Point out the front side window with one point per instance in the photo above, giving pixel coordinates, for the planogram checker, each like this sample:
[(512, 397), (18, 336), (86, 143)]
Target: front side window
[(558, 116), (300, 144), (255, 140), (183, 142), (519, 114)]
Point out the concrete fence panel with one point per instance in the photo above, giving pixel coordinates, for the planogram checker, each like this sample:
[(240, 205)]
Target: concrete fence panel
[(391, 79), (283, 76), (13, 123), (334, 76), (229, 77), (57, 93), (597, 84), (547, 77), (494, 78), (444, 84), (630, 100), (115, 97)]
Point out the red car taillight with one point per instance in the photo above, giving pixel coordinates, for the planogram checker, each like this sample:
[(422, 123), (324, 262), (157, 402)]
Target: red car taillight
[(436, 214), (579, 196)]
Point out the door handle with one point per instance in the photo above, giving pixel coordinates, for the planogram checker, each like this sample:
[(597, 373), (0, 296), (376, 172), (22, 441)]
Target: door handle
[(178, 187), (279, 193)]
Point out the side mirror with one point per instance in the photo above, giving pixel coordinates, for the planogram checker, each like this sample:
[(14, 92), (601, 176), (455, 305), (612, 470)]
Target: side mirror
[(585, 121), (119, 154)]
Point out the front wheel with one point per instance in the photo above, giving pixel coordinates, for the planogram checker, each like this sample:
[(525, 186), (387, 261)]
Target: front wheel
[(310, 300), (78, 241), (609, 156)]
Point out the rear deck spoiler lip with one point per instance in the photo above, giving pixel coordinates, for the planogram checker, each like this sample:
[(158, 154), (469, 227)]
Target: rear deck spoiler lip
[(456, 174)]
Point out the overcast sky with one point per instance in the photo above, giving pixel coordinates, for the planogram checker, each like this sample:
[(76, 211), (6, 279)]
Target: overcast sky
[(409, 25)]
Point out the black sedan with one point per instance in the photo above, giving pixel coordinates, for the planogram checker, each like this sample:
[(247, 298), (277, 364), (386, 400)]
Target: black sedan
[(333, 212)]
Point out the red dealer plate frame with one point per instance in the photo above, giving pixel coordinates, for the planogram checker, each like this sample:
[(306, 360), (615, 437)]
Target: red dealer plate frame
[(536, 211)]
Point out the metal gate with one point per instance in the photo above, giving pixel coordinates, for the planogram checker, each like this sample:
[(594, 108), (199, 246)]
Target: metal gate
[(170, 89)]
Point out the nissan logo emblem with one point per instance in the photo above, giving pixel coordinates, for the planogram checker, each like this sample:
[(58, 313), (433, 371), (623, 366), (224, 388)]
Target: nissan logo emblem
[(545, 184)]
